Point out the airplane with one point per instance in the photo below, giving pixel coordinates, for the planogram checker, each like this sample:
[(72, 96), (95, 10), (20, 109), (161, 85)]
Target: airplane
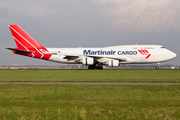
[(94, 58)]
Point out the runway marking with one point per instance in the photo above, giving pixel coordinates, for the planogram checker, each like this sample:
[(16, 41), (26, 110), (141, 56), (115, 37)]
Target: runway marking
[(83, 83)]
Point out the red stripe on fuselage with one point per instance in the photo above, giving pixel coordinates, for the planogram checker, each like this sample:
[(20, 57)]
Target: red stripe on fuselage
[(141, 52), (148, 56), (145, 52)]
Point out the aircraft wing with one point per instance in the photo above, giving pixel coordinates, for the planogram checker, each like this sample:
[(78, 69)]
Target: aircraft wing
[(69, 57), (73, 57)]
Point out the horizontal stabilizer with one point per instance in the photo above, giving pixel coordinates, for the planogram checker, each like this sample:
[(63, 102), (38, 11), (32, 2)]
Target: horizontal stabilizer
[(18, 50)]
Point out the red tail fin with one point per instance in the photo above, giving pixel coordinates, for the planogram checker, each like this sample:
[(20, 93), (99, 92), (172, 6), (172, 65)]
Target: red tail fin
[(25, 42)]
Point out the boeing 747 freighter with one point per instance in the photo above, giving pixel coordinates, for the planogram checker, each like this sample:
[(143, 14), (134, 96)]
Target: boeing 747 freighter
[(94, 58)]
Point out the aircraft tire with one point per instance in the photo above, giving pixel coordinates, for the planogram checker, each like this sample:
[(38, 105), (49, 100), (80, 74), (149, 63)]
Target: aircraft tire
[(89, 68), (157, 67)]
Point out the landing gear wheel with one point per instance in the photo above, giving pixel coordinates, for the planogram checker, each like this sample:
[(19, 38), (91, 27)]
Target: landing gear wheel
[(93, 67), (157, 67), (97, 66), (89, 67)]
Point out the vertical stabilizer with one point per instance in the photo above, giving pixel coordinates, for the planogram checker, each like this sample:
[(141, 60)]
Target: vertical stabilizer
[(25, 42)]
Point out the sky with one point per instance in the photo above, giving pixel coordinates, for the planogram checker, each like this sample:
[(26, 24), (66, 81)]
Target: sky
[(90, 23)]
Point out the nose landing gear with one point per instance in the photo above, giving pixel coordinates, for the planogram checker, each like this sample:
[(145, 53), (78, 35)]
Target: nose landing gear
[(157, 66)]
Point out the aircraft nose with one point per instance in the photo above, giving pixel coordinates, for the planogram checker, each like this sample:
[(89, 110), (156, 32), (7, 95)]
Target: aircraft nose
[(171, 55), (174, 55)]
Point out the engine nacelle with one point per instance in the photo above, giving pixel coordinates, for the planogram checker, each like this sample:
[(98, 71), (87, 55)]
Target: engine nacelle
[(113, 63), (88, 61)]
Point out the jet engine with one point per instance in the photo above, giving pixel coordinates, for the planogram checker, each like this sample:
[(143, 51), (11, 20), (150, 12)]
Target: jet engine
[(113, 63), (88, 61)]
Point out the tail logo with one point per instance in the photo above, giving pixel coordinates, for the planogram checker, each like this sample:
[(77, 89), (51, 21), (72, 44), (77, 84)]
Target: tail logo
[(145, 52), (44, 51)]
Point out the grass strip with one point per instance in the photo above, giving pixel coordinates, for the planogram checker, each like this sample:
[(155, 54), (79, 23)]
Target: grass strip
[(90, 76), (47, 102)]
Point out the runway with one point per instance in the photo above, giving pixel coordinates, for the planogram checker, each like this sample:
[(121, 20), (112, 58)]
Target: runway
[(83, 83)]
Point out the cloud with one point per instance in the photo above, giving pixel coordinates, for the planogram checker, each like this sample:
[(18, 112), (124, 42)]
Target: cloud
[(54, 14), (119, 15), (141, 15), (24, 9)]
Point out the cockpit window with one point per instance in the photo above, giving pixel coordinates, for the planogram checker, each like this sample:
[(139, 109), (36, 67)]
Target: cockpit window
[(162, 47)]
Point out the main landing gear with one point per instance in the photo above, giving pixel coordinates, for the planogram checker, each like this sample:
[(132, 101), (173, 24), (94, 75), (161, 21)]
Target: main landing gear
[(157, 66), (95, 66)]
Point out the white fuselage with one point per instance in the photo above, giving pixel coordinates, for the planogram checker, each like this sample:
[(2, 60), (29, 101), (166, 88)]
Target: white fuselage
[(94, 58), (125, 54)]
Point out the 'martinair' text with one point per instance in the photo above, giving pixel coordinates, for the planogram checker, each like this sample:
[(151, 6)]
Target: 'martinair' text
[(111, 52)]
